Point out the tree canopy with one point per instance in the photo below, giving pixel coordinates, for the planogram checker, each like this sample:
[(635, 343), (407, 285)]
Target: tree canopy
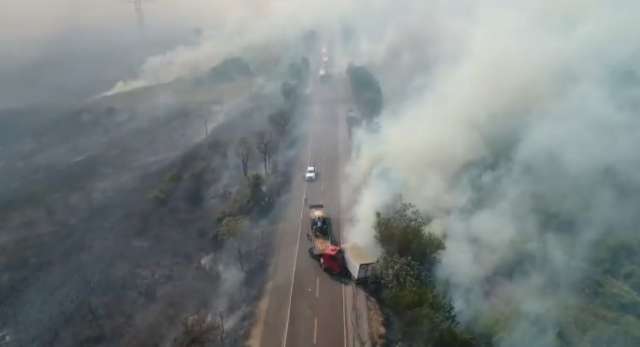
[(424, 314), (366, 91), (402, 233)]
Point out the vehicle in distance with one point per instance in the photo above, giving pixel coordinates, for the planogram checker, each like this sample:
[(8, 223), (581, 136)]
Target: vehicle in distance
[(310, 174)]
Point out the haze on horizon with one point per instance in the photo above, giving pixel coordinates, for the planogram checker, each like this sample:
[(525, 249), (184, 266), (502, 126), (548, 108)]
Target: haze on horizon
[(512, 126)]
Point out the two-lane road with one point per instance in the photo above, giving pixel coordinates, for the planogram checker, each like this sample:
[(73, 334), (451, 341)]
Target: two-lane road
[(302, 305)]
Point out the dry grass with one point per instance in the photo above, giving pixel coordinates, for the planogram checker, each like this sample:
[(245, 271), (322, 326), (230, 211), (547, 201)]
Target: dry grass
[(377, 330), (200, 330)]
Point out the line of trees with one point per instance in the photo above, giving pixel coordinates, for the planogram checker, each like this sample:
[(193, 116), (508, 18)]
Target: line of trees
[(263, 145), (421, 313), (257, 156), (267, 142)]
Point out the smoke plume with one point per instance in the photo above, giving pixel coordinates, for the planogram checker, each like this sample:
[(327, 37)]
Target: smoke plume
[(253, 27), (521, 142), (511, 124)]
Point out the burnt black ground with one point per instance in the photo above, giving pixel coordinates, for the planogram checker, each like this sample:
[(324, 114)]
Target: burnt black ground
[(88, 257)]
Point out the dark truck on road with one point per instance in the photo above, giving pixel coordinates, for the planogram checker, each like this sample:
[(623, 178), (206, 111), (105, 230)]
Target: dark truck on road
[(323, 248), (347, 261)]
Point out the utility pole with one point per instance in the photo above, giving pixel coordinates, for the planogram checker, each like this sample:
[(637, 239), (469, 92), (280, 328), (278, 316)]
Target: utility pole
[(137, 6)]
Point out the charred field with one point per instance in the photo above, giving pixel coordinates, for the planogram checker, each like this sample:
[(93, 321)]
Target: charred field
[(124, 218)]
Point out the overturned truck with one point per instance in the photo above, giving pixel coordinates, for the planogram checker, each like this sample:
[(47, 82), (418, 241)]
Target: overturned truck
[(349, 260)]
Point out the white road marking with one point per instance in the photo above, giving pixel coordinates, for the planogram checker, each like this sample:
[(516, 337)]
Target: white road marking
[(317, 287), (315, 330), (324, 162), (295, 255), (344, 308), (344, 320)]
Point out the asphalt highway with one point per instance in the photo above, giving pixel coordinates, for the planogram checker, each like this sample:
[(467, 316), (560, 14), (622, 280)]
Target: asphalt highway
[(302, 305)]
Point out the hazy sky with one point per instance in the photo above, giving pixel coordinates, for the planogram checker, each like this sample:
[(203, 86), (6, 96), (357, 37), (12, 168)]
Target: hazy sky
[(516, 111), (64, 50)]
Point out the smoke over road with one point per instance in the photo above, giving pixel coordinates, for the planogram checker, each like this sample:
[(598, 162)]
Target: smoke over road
[(512, 125), (257, 28)]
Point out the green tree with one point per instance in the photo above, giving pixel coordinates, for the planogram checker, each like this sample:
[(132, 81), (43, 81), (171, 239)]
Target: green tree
[(199, 331), (424, 315), (402, 233), (244, 152), (394, 272), (232, 226), (366, 91), (280, 121), (256, 189), (289, 93), (264, 146)]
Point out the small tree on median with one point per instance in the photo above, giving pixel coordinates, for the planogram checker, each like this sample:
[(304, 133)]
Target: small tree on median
[(264, 146), (244, 152)]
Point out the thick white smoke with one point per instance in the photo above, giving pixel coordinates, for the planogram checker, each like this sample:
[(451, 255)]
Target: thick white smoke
[(235, 27), (511, 123), (522, 144)]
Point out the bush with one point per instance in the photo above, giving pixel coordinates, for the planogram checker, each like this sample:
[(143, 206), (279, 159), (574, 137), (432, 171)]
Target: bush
[(289, 92), (232, 227), (193, 193), (159, 197), (280, 121), (402, 233), (394, 272), (199, 331), (366, 91), (229, 70), (425, 317)]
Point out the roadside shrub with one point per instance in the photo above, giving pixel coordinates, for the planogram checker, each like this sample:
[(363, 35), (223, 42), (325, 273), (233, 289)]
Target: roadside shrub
[(199, 331), (424, 316), (366, 91)]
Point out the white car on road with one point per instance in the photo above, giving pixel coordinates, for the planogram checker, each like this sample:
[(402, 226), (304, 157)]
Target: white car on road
[(310, 174), (324, 73)]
